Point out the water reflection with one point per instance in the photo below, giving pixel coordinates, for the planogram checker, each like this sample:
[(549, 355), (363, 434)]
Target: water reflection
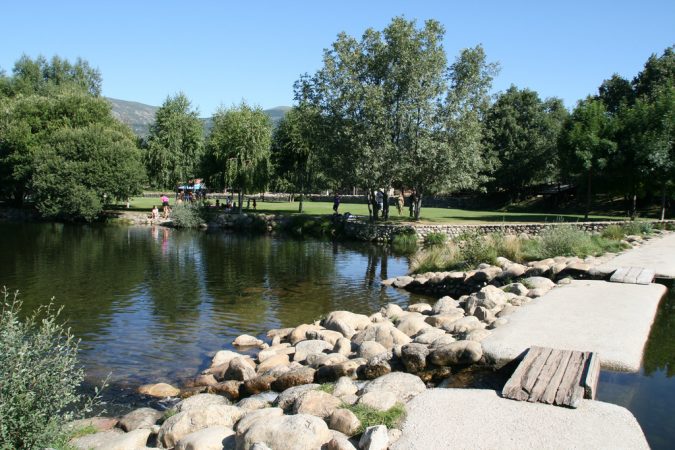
[(153, 303)]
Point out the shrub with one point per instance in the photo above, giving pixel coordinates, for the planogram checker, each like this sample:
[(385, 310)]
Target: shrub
[(436, 259), (509, 247), (637, 227), (477, 249), (39, 377), (614, 232), (564, 240), (370, 416), (435, 239), (404, 243), (185, 216)]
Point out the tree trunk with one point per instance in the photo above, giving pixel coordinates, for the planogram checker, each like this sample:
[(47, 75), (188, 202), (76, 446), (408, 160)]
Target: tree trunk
[(370, 205), (385, 205), (302, 197), (588, 194), (663, 201), (633, 206), (418, 206), (241, 198)]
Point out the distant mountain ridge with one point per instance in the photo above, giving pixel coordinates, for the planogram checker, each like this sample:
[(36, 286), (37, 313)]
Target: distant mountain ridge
[(140, 116)]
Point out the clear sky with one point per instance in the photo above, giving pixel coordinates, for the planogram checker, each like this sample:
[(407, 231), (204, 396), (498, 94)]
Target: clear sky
[(220, 52)]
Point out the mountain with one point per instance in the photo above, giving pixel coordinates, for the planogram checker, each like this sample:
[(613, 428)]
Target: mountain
[(140, 116)]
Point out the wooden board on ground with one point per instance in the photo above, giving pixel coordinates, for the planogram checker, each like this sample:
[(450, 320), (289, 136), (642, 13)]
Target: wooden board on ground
[(555, 377), (633, 275)]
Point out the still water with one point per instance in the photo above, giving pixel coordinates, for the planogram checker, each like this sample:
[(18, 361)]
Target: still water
[(153, 304)]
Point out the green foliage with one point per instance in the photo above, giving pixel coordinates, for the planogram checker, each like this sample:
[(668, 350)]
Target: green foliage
[(39, 377), (476, 249), (507, 246), (168, 414), (327, 387), (615, 232), (186, 216), (434, 239), (436, 259), (302, 225), (83, 431), (175, 145), (565, 240), (369, 416), (404, 243)]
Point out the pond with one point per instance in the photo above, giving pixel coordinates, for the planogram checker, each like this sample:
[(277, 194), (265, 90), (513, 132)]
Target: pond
[(153, 304)]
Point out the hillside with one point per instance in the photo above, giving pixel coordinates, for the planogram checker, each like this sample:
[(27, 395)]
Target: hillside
[(140, 116)]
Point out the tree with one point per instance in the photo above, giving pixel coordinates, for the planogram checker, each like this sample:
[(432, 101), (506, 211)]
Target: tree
[(585, 143), (522, 133), (176, 143), (238, 148), (294, 155)]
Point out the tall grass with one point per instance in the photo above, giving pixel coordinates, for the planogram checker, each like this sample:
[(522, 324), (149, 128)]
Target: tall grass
[(405, 243), (435, 239), (476, 249), (436, 259)]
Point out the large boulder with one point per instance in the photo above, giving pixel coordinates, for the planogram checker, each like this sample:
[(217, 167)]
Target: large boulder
[(344, 386), (336, 320), (224, 357), (441, 320), (374, 438), (304, 348), (296, 432), (329, 336), (344, 421), (404, 385), (343, 346), (368, 349), (456, 353), (272, 362), (379, 400), (200, 401), (256, 385), (420, 307), (246, 340), (445, 304), (412, 324), (428, 336), (383, 333), (348, 368), (140, 418), (280, 349), (538, 283), (513, 271), (239, 369), (375, 367), (490, 297), (211, 438), (464, 325), (229, 389), (295, 377), (414, 357), (96, 440), (515, 288), (252, 417), (185, 422), (316, 403), (392, 311), (287, 398), (159, 390), (299, 333)]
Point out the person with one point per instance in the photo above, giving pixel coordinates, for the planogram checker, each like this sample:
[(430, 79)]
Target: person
[(165, 205), (155, 212), (399, 202), (248, 203), (413, 199), (255, 204), (336, 203), (217, 203), (379, 198)]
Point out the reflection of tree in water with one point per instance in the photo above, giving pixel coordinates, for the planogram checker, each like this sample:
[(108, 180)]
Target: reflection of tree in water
[(660, 348), (80, 266)]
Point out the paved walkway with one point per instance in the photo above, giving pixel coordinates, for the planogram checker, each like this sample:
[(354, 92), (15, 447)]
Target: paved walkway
[(612, 319), (442, 419), (657, 254)]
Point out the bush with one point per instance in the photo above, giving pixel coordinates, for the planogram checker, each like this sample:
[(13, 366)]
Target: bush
[(477, 249), (435, 239), (404, 243), (39, 377), (509, 247), (436, 259), (564, 240), (185, 216), (614, 232), (370, 416)]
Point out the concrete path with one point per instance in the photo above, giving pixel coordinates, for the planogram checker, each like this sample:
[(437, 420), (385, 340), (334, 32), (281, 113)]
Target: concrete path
[(657, 254), (611, 319), (479, 419)]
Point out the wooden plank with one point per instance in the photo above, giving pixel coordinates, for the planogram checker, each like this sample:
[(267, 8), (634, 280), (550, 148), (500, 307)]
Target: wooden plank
[(619, 275), (530, 377), (632, 275), (549, 394), (589, 381), (513, 388), (544, 379), (646, 276), (567, 392)]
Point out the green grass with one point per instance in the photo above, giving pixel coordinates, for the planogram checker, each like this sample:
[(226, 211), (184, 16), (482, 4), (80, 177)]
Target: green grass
[(370, 416), (429, 215), (83, 431), (328, 388)]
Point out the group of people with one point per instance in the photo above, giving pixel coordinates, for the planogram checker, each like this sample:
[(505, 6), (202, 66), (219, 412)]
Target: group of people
[(378, 202), (166, 209)]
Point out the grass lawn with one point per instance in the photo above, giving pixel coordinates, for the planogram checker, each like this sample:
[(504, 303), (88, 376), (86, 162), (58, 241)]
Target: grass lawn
[(429, 215)]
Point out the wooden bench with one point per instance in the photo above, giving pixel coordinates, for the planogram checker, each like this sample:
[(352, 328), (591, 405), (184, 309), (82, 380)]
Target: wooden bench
[(554, 377)]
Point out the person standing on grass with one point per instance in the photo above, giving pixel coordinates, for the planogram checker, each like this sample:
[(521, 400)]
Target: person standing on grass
[(165, 206), (255, 204), (336, 203), (399, 202), (413, 199)]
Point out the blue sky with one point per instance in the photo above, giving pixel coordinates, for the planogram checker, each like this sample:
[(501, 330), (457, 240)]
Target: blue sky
[(220, 52)]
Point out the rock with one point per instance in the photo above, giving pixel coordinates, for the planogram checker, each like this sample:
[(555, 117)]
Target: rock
[(383, 333), (461, 352), (287, 398), (211, 438), (464, 325), (260, 446), (502, 262), (404, 385), (428, 336), (133, 439), (443, 340), (394, 434), (96, 440), (498, 323), (316, 403), (253, 403), (329, 336), (368, 349), (140, 418), (191, 420), (224, 357), (484, 314), (279, 349), (419, 307), (513, 271), (508, 309), (401, 282), (356, 322), (246, 340), (564, 281), (338, 443), (344, 421), (348, 368), (379, 400), (99, 423), (239, 369), (538, 283), (412, 324), (252, 417), (442, 320), (538, 270), (316, 360), (520, 300), (477, 335), (344, 386), (295, 377), (392, 311), (229, 389), (375, 367), (490, 297), (274, 361), (202, 380), (414, 357), (256, 385), (445, 304), (343, 346), (201, 401), (535, 293), (515, 288), (374, 438), (159, 390), (297, 432), (304, 348), (377, 317), (300, 333), (281, 333)]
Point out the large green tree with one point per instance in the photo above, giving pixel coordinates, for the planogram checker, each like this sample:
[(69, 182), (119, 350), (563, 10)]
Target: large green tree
[(175, 145), (238, 149)]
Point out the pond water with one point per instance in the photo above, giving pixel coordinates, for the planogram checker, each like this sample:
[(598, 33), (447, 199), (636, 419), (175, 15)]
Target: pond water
[(153, 304)]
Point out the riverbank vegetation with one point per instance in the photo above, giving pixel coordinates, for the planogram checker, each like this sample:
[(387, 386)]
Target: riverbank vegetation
[(387, 110)]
